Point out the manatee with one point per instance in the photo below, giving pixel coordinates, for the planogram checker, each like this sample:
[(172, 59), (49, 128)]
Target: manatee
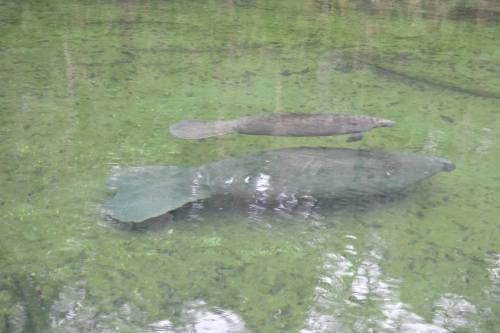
[(282, 124), (146, 192)]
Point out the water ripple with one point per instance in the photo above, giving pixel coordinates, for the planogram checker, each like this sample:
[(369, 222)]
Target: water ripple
[(353, 295), (198, 317)]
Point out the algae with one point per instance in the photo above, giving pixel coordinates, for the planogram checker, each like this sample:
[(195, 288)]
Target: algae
[(87, 86)]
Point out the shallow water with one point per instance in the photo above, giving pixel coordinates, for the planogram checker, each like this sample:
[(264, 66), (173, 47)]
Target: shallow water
[(85, 87)]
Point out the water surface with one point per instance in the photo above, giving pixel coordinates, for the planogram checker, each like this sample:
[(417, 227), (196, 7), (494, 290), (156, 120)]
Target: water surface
[(87, 86)]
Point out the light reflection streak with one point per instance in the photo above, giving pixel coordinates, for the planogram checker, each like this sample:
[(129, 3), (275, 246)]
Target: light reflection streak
[(433, 141), (197, 206), (71, 314), (286, 204), (494, 271), (492, 292), (325, 313), (201, 318), (453, 312), (262, 196), (485, 142), (350, 285)]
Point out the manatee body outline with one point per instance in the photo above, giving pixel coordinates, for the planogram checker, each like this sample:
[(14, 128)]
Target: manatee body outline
[(282, 124), (150, 191)]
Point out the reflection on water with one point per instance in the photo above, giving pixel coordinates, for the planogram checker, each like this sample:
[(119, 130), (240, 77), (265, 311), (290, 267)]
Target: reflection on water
[(261, 196), (432, 142), (452, 311), (481, 11), (198, 317), (494, 270), (73, 313), (353, 295), (493, 292), (87, 86), (68, 313), (485, 141), (196, 208), (325, 312)]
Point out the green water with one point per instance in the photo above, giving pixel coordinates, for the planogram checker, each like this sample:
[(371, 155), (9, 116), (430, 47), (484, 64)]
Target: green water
[(88, 85)]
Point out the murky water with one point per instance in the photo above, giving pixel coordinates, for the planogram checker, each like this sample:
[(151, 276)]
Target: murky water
[(91, 85)]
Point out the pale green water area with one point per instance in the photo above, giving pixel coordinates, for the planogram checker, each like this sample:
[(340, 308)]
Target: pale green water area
[(89, 85)]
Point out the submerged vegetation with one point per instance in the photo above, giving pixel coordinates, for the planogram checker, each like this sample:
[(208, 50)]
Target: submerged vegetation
[(91, 85)]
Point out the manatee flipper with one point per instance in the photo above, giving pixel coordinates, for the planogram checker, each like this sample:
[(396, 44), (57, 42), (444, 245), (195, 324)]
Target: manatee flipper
[(196, 129), (355, 137), (150, 191)]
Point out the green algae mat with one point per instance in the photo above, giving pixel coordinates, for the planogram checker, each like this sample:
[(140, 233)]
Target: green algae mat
[(92, 85)]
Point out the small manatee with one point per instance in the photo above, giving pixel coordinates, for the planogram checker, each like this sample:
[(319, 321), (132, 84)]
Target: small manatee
[(281, 124)]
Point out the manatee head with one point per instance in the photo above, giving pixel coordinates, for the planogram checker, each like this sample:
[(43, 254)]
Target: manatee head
[(397, 171), (416, 167), (379, 122), (448, 166)]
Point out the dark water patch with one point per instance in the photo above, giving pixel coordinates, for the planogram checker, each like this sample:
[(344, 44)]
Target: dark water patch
[(405, 68), (128, 23), (298, 72), (493, 70), (127, 53), (105, 64), (159, 223), (25, 303), (413, 78), (174, 49), (473, 13), (447, 119), (409, 37), (10, 22), (432, 10), (251, 4)]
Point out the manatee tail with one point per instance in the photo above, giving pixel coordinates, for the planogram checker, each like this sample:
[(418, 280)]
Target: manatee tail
[(150, 191), (196, 129)]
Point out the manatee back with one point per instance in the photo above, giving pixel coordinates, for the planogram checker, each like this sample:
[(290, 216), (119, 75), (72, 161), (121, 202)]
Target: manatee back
[(321, 172), (304, 124)]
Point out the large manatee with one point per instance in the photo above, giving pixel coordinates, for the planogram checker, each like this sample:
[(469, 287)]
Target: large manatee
[(149, 191), (282, 124)]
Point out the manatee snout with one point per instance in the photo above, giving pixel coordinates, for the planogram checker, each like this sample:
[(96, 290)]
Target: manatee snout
[(448, 165), (385, 123)]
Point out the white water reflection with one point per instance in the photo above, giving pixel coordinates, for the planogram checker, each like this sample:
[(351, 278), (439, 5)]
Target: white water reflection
[(494, 270), (196, 207), (68, 313), (324, 315), (485, 141), (452, 311), (492, 292), (353, 295), (72, 313), (201, 318), (433, 141), (260, 202)]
